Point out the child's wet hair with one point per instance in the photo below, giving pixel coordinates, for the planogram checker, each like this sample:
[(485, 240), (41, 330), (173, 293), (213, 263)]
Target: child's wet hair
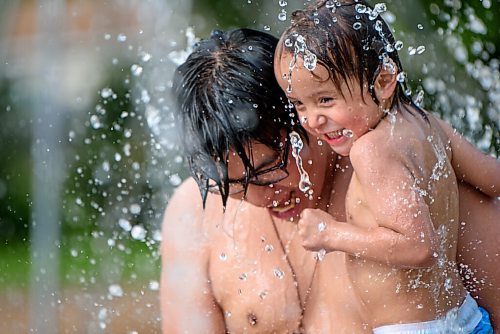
[(351, 40)]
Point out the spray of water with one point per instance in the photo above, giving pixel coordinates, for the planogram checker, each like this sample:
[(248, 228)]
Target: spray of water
[(297, 145)]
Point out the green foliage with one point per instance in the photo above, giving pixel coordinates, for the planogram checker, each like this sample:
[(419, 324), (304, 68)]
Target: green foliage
[(15, 164)]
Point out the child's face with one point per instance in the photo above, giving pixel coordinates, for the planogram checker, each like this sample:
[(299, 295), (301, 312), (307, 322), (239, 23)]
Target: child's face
[(338, 118)]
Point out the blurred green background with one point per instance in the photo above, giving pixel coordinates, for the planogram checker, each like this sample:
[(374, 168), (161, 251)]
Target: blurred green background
[(88, 154)]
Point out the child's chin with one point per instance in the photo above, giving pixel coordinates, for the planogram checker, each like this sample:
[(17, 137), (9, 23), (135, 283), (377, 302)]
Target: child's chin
[(344, 151)]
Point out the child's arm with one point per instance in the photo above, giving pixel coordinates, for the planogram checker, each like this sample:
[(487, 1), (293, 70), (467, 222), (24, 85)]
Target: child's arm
[(405, 234), (471, 165)]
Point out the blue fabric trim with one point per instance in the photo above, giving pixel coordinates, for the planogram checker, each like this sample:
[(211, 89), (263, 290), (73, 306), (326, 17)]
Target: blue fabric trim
[(484, 326)]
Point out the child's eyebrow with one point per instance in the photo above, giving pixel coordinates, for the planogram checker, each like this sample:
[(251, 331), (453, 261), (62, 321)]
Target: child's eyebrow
[(324, 92)]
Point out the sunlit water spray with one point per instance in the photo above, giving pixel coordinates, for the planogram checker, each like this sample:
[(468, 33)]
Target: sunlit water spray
[(297, 145)]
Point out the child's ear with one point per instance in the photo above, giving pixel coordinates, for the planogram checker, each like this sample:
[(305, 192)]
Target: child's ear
[(386, 81)]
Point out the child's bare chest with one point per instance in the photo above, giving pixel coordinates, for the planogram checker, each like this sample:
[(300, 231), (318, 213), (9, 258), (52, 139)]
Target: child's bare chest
[(357, 210)]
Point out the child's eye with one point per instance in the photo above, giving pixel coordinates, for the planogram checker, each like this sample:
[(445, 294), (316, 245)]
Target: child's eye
[(297, 104), (325, 100)]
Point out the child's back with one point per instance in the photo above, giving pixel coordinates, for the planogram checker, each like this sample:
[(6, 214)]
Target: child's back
[(408, 143)]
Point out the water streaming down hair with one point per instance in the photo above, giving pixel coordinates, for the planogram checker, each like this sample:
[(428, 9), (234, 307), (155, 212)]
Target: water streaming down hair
[(351, 40), (226, 98)]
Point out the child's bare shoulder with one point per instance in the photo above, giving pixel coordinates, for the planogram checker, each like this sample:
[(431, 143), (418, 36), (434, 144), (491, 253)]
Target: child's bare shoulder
[(388, 147), (373, 150)]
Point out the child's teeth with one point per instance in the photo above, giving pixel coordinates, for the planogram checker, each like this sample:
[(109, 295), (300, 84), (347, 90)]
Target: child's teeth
[(334, 134)]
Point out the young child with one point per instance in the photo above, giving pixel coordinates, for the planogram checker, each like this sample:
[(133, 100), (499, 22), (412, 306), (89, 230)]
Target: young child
[(338, 65)]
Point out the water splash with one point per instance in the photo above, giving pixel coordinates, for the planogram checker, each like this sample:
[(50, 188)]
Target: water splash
[(310, 60), (347, 133), (297, 145), (299, 49)]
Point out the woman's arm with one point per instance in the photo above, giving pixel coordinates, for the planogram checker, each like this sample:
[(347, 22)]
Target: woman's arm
[(479, 248), (471, 165), (187, 302)]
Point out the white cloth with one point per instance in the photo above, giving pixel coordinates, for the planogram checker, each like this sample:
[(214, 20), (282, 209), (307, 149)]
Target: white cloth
[(461, 319)]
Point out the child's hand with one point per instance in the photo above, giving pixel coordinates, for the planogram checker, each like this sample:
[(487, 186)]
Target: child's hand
[(315, 229)]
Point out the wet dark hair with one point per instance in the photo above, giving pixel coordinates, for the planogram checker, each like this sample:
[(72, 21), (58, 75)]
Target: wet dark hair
[(226, 98), (345, 51)]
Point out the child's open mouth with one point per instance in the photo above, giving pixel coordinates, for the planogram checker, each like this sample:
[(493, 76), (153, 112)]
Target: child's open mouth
[(335, 134)]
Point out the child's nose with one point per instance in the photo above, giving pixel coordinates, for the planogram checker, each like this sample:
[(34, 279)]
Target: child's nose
[(316, 120)]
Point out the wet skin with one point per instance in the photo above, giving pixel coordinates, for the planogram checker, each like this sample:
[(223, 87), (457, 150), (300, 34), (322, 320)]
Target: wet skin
[(329, 112), (200, 292)]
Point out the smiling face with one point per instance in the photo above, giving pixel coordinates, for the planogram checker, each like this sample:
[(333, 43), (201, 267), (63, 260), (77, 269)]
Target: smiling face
[(283, 198), (337, 117)]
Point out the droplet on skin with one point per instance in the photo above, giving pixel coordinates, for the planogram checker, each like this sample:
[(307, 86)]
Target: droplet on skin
[(321, 254), (278, 273)]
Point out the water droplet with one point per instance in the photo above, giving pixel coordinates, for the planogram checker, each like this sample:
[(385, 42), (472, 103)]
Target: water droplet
[(106, 93), (420, 49), (263, 294), (310, 61), (412, 50), (115, 290), (145, 57), (175, 180), (420, 306), (121, 38), (136, 70), (288, 43), (278, 273), (360, 8), (321, 254), (420, 27), (282, 3), (154, 285), (297, 145), (321, 226), (357, 25), (135, 208), (95, 122), (398, 45), (347, 133), (267, 27), (401, 77), (419, 98), (138, 232), (269, 248), (378, 25), (243, 277), (282, 15), (125, 224), (223, 256)]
